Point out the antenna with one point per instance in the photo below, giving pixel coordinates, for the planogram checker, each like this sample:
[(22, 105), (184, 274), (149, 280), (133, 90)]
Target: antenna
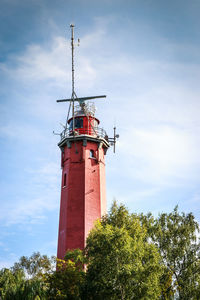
[(114, 139), (73, 92), (72, 45), (74, 97)]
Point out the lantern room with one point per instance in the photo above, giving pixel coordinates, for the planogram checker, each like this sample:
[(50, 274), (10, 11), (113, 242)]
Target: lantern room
[(84, 121), (83, 125)]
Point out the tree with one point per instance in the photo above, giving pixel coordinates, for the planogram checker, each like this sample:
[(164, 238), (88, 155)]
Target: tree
[(68, 281), (36, 265), (127, 257), (10, 282), (121, 264), (175, 235), (27, 278)]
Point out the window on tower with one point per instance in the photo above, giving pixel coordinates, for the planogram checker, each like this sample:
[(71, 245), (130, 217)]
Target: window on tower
[(65, 180), (92, 154), (78, 123)]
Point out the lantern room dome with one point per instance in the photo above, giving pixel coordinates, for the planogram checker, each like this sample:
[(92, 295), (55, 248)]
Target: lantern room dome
[(84, 122)]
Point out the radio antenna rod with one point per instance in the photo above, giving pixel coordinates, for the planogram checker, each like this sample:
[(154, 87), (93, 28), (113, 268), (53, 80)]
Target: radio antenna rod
[(73, 92)]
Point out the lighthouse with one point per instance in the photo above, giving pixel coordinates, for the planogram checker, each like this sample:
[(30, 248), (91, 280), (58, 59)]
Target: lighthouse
[(83, 144)]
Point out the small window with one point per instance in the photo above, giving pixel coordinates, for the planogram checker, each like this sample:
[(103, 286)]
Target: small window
[(92, 154), (71, 125), (65, 180), (78, 123)]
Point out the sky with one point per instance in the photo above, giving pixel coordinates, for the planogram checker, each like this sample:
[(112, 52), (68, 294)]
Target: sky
[(145, 56)]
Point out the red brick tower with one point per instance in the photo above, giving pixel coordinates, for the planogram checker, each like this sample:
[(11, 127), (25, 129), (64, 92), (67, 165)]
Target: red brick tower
[(83, 147), (83, 194)]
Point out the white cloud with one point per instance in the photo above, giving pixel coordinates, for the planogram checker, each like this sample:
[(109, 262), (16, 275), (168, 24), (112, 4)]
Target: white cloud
[(44, 197), (38, 63), (21, 132), (31, 211), (161, 153)]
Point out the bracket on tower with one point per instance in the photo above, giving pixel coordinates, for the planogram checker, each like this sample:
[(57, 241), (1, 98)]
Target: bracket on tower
[(113, 140)]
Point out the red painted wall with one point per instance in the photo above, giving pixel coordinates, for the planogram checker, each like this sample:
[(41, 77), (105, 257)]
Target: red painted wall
[(83, 198)]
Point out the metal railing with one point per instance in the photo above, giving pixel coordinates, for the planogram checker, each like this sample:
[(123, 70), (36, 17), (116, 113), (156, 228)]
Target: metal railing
[(88, 109), (94, 132)]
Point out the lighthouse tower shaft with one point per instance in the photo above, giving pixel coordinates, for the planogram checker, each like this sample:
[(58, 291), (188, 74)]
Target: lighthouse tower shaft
[(83, 190)]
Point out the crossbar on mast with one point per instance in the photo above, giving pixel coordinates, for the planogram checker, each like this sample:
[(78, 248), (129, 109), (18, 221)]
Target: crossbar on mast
[(81, 99)]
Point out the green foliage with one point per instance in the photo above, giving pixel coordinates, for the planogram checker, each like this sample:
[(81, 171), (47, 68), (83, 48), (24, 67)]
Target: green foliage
[(26, 279), (121, 263), (10, 282), (36, 265), (175, 235), (67, 282), (127, 257), (76, 256)]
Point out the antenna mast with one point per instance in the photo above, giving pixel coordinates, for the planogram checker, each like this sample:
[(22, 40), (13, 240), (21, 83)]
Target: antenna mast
[(80, 100), (73, 92)]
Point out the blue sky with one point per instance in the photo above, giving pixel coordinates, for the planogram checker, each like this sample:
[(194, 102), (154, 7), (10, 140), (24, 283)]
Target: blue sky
[(145, 56)]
